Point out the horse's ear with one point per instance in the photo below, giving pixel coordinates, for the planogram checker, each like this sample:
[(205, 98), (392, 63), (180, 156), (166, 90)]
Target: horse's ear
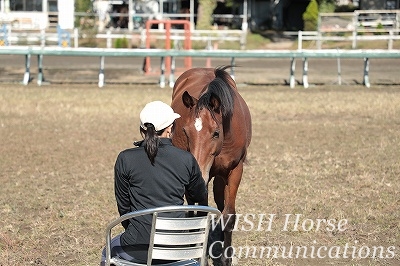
[(188, 100), (215, 103)]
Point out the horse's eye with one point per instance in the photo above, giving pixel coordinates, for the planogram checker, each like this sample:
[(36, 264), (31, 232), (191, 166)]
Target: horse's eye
[(215, 135)]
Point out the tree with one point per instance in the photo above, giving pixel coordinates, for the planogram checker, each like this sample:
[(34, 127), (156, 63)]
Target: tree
[(204, 14), (83, 5), (310, 16), (86, 23), (326, 6)]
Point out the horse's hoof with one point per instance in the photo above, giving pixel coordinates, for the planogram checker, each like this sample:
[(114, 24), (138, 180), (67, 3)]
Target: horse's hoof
[(226, 262), (230, 261)]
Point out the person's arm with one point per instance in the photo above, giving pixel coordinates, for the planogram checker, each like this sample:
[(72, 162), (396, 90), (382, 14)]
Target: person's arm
[(121, 188), (196, 190)]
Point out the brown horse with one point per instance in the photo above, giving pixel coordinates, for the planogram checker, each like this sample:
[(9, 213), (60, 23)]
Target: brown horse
[(215, 126)]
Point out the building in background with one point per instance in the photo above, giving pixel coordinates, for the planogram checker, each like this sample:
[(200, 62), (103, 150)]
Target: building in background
[(37, 14), (347, 2), (276, 14), (379, 4), (259, 15)]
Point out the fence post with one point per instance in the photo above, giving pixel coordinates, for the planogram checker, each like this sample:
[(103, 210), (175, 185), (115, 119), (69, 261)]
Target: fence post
[(209, 47), (143, 38), (40, 70), (162, 75), (109, 43), (42, 38), (292, 79), (300, 40), (172, 73), (366, 72), (390, 42), (305, 73), (9, 36), (27, 74), (232, 68), (319, 34), (339, 70), (101, 73), (355, 29), (76, 37)]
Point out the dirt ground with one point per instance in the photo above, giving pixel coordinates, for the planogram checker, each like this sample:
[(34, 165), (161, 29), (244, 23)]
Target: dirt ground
[(326, 155)]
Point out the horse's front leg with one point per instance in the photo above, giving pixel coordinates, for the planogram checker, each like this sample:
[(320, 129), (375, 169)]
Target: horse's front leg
[(216, 238), (229, 212), (192, 214)]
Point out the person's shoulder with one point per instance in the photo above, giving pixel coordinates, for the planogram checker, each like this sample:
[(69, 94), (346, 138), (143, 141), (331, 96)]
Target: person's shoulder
[(176, 149), (129, 151), (181, 153)]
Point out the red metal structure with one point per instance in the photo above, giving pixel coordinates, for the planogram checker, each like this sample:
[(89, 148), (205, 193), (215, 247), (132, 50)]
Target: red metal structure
[(167, 24)]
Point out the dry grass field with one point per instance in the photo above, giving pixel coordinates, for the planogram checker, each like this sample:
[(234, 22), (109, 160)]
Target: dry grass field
[(328, 152)]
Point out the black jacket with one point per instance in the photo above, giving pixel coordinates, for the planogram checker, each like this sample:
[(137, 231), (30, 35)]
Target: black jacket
[(141, 185)]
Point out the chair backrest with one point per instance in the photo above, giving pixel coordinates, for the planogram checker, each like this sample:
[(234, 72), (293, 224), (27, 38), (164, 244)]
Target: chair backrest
[(174, 238)]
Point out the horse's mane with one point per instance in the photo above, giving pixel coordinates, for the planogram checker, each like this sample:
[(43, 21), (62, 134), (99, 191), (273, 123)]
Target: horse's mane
[(220, 88)]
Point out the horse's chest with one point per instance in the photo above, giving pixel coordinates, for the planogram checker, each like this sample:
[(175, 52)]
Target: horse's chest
[(223, 163)]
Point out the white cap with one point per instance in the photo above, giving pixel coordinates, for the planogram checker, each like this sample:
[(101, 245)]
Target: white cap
[(160, 114)]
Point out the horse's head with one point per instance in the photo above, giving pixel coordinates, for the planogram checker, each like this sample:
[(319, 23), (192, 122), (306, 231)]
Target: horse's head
[(206, 123), (203, 131)]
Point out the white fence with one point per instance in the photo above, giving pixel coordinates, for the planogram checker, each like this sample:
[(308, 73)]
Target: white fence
[(360, 21), (355, 27), (319, 38), (360, 25), (28, 51), (46, 38), (43, 38)]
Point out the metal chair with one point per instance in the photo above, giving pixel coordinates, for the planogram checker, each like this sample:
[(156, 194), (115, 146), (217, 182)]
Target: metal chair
[(183, 240)]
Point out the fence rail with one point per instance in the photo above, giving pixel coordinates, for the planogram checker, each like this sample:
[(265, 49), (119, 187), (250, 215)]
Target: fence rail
[(29, 51), (305, 53), (43, 38), (46, 38), (360, 25), (319, 38)]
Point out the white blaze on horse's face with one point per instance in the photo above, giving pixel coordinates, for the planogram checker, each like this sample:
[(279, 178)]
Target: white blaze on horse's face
[(205, 138), (198, 124)]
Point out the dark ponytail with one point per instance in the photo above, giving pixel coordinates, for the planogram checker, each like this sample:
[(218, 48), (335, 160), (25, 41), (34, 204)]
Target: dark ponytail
[(151, 141)]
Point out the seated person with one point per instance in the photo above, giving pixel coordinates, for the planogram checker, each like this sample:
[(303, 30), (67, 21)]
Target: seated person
[(154, 174)]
